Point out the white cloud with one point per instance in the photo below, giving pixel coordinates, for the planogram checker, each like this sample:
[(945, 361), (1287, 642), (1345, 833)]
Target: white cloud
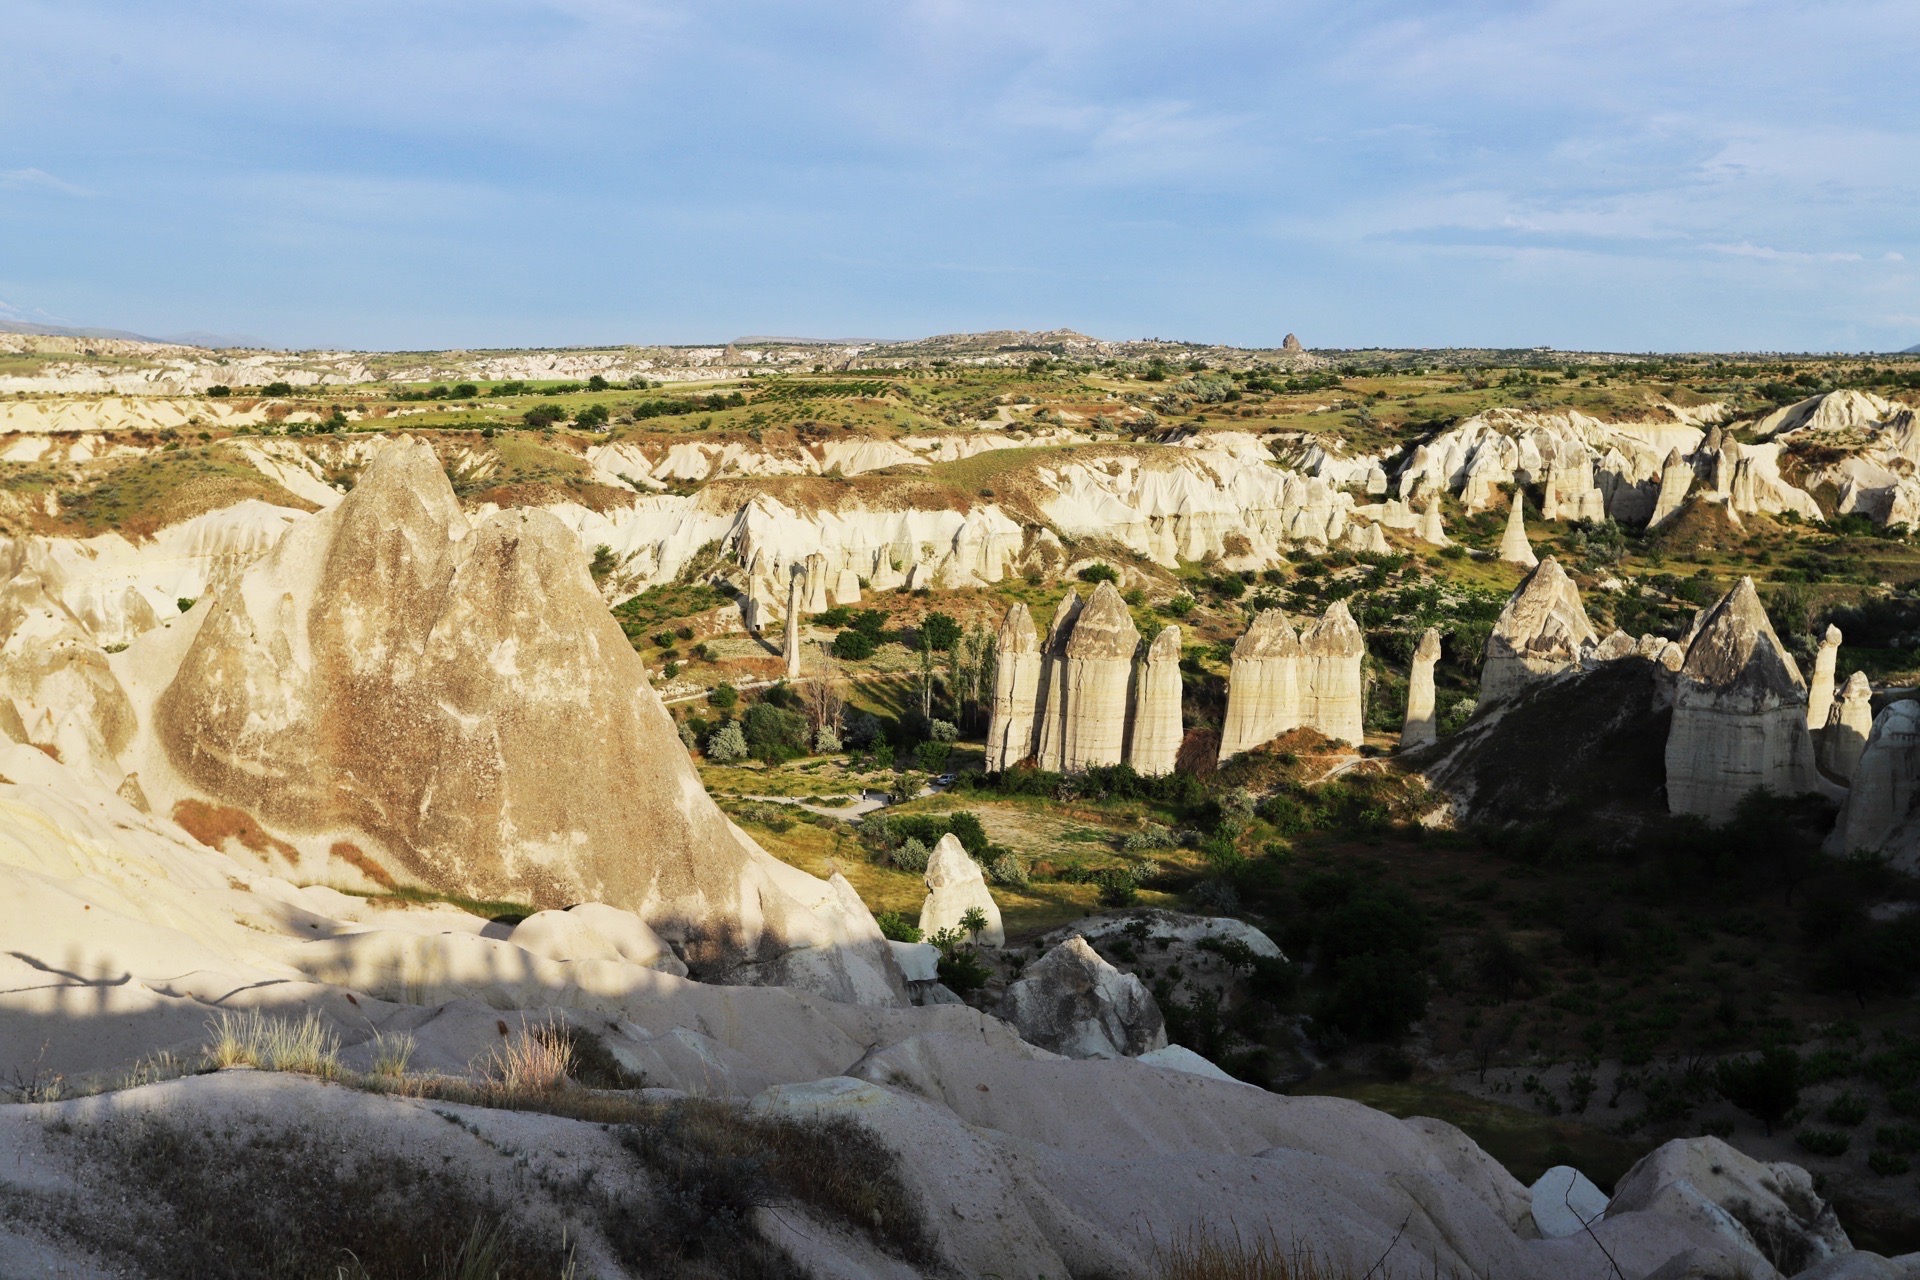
[(23, 179)]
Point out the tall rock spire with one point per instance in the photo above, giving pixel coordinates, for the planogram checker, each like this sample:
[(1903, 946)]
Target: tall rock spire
[(1542, 631), (1514, 547), (1098, 667), (790, 643), (1153, 735), (1016, 691), (1263, 692), (1820, 688), (1422, 725), (1676, 477)]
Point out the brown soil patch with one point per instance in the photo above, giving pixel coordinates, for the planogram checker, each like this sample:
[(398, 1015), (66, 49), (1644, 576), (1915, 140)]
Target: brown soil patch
[(356, 857), (213, 825)]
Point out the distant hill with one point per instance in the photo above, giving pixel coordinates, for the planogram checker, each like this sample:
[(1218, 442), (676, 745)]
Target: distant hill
[(1910, 351), (211, 341)]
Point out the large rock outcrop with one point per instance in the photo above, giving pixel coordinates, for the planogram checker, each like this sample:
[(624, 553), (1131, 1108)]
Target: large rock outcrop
[(1154, 731), (1422, 723), (1263, 691), (1331, 693), (1542, 631), (1016, 691), (1879, 815), (1097, 668), (1739, 713), (1281, 681), (1049, 714), (955, 886), (1073, 1003), (456, 700)]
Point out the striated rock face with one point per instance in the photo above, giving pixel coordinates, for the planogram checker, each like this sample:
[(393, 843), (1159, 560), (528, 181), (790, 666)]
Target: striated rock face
[(1263, 690), (1097, 668), (1514, 547), (1153, 736), (1878, 815), (1016, 691), (1739, 713), (955, 886), (56, 690), (1050, 708), (1073, 1003), (457, 700), (1820, 688), (1542, 631), (1848, 725), (1422, 725), (1676, 477), (1331, 695)]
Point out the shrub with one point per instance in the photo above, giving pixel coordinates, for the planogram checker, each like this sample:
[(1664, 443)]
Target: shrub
[(896, 927), (219, 392), (1099, 573), (727, 744), (725, 697), (826, 740), (1904, 1138), (463, 391), (277, 389), (774, 734), (939, 631), (1887, 1164), (1119, 887), (1766, 1087), (591, 418), (942, 731), (912, 856), (1150, 839), (931, 757), (1846, 1110), (1178, 607), (537, 1058), (1823, 1142), (1376, 997), (1009, 869), (863, 727), (854, 646), (543, 415)]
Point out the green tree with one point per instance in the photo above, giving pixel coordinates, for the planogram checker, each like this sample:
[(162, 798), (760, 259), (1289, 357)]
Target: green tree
[(726, 744), (939, 631), (724, 696), (1766, 1088), (773, 733), (277, 389), (591, 418), (543, 415), (974, 921)]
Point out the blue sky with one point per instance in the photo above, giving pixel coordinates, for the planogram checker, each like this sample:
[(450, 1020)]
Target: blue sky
[(419, 173)]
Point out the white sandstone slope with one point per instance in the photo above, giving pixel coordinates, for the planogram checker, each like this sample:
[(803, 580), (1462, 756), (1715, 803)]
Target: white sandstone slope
[(1542, 631), (455, 701), (1739, 713)]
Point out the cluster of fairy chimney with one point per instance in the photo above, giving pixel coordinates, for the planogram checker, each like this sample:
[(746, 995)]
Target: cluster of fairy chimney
[(1092, 694)]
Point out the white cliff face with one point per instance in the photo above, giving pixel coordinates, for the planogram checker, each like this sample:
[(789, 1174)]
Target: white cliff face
[(1154, 730), (117, 588), (1848, 724), (1016, 691), (955, 886), (1881, 813), (1422, 725), (1542, 631), (1739, 713)]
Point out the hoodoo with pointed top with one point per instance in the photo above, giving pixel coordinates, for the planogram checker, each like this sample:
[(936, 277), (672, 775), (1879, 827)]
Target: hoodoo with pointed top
[(1542, 631)]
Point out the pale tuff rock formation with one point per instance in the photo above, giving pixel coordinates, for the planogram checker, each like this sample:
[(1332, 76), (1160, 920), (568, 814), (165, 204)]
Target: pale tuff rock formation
[(1564, 1202), (1880, 809), (1828, 413), (816, 580), (1154, 730), (955, 886), (1281, 682), (1432, 531), (1616, 646), (1097, 667), (1331, 693), (1820, 688), (1050, 708), (1422, 725), (1739, 713), (1542, 631), (1847, 727), (1263, 691), (57, 691), (1016, 691), (1768, 1213), (1676, 478), (595, 931), (790, 640), (1079, 701), (456, 701), (1074, 1003), (1514, 547)]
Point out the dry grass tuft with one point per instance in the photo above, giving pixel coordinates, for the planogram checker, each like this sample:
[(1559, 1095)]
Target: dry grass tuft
[(536, 1059), (253, 1039)]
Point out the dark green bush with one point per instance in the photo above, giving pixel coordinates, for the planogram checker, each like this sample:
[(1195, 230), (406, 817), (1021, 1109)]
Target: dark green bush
[(773, 733)]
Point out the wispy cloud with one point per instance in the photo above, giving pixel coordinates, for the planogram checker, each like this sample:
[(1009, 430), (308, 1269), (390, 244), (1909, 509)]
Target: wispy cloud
[(40, 179)]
